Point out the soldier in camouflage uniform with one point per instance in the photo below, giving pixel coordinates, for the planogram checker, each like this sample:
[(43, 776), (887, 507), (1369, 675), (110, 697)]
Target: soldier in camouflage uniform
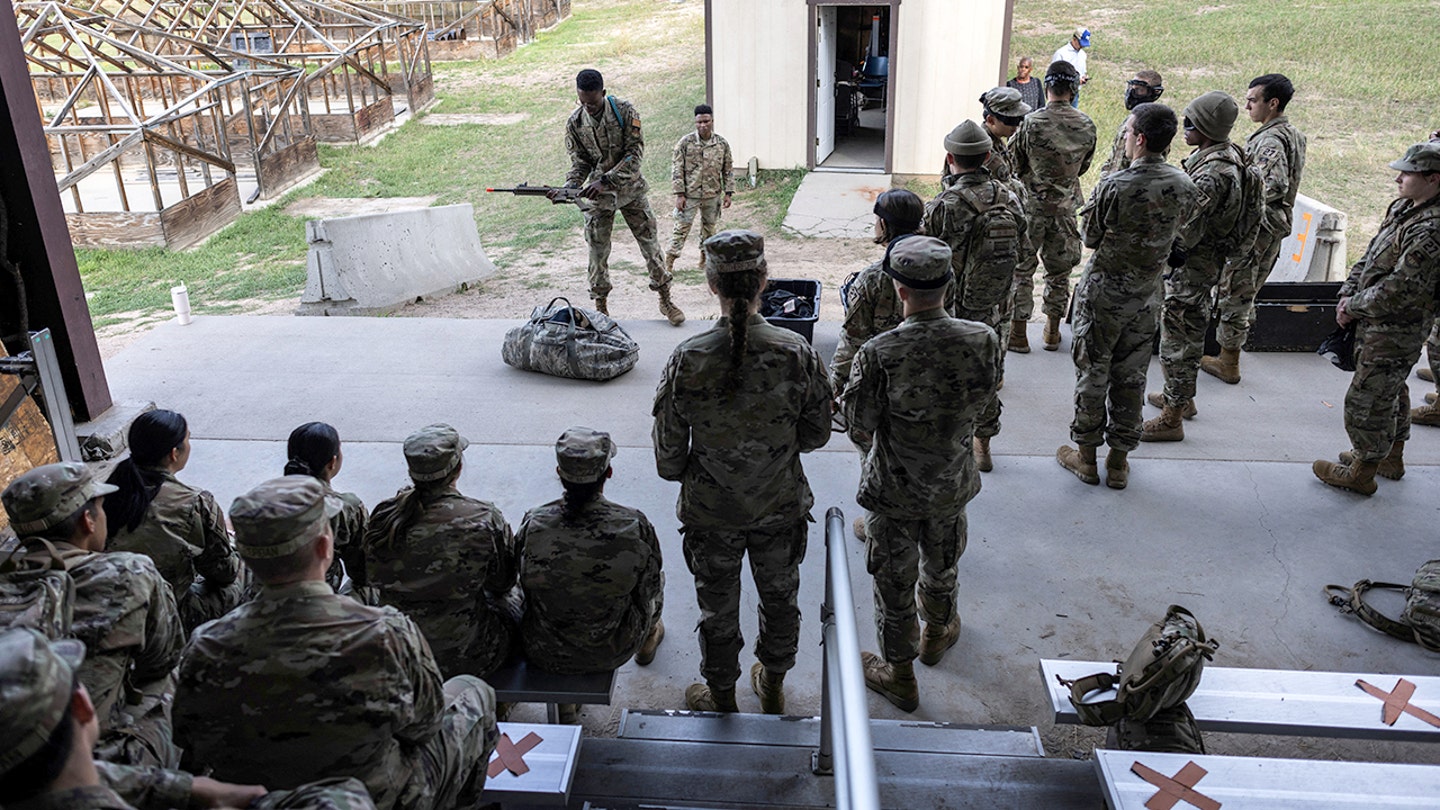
[(314, 449), (1205, 243), (1429, 414), (702, 179), (735, 408), (122, 609), (1146, 86), (606, 147), (1131, 222), (301, 683), (445, 560), (590, 570), (984, 287), (1390, 297), (1051, 149), (1278, 148), (178, 526), (48, 725), (918, 389)]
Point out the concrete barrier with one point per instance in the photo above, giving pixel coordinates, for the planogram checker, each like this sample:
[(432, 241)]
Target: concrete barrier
[(1315, 248), (375, 263)]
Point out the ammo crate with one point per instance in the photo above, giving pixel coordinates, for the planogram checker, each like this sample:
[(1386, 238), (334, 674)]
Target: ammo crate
[(1293, 316), (804, 287)]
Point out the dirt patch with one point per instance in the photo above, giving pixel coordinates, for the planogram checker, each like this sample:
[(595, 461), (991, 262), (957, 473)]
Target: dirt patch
[(322, 207), (459, 119)]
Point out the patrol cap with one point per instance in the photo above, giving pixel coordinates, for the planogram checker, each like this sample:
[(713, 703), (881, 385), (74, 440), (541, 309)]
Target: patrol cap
[(735, 251), (1213, 114), (919, 262), (1083, 34), (1061, 71), (1422, 157), (434, 451), (280, 517), (1005, 102), (583, 454), (37, 678), (968, 138), (48, 494)]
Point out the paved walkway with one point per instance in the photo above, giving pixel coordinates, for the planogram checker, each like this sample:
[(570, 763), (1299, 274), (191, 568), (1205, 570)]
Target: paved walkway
[(835, 204)]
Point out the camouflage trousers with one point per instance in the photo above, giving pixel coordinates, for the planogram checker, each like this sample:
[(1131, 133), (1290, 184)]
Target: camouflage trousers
[(203, 601), (1057, 238), (1377, 404), (449, 767), (715, 556), (139, 731), (912, 561), (1111, 350), (599, 224), (685, 217), (988, 423), (1239, 282), (1183, 318), (1432, 353)]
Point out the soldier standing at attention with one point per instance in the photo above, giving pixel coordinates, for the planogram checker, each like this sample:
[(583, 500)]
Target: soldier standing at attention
[(1131, 222), (444, 559), (735, 408), (983, 223), (1206, 241), (1052, 148), (301, 684), (1279, 149), (919, 472), (1390, 295), (122, 609), (590, 570), (702, 179), (1146, 86), (605, 145)]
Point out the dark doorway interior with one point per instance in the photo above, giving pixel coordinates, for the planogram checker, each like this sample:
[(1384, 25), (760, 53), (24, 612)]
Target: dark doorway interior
[(862, 67)]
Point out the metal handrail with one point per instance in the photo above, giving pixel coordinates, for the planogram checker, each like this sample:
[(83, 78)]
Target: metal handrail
[(844, 716)]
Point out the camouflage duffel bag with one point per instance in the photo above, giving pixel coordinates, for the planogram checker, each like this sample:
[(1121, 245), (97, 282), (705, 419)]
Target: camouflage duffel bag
[(567, 341)]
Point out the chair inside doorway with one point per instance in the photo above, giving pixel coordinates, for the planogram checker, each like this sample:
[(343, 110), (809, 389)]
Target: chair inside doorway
[(862, 68)]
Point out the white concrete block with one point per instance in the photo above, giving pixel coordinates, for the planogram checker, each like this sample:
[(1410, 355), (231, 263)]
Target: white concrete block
[(1315, 248), (375, 263)]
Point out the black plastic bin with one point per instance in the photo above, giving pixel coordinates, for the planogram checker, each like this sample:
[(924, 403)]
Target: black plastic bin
[(1293, 316), (804, 288)]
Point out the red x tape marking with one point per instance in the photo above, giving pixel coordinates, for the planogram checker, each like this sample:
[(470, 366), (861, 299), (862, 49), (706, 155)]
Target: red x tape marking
[(510, 756), (1397, 702), (1173, 791)]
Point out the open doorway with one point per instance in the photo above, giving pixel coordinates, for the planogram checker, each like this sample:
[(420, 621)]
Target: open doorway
[(852, 87)]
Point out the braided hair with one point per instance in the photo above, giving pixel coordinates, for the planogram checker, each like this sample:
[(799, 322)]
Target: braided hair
[(741, 289)]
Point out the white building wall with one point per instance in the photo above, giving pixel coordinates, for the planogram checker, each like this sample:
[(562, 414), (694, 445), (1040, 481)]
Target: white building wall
[(759, 51)]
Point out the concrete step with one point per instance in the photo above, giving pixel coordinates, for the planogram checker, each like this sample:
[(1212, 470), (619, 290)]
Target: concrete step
[(801, 732)]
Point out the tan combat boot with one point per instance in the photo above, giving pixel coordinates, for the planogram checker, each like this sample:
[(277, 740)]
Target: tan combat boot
[(983, 461), (769, 687), (1081, 462), (700, 697), (859, 528), (1426, 414), (1358, 477), (670, 263), (1051, 335), (1157, 399), (1425, 374), (702, 260), (600, 306), (1167, 427), (668, 308), (646, 653), (1392, 466), (1019, 342), (1117, 469), (1430, 398), (936, 639), (895, 682), (1226, 366)]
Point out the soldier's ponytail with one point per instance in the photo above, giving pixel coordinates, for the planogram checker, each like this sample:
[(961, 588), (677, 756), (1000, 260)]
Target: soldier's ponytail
[(741, 288)]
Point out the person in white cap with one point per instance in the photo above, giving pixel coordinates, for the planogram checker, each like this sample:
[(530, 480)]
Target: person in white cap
[(1074, 53)]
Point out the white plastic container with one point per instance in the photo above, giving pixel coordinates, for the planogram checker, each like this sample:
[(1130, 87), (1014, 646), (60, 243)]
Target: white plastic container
[(180, 299)]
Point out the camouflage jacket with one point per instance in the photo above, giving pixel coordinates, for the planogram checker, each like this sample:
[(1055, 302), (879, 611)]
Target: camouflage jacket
[(1052, 148), (1279, 150), (701, 170), (1392, 288), (1130, 222), (591, 585), (449, 569), (349, 526), (302, 684), (735, 449), (126, 616), (1117, 159), (917, 390), (1215, 170), (183, 531), (606, 149), (1000, 163), (872, 307), (123, 787), (981, 292)]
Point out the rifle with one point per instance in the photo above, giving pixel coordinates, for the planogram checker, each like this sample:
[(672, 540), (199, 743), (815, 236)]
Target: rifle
[(567, 195)]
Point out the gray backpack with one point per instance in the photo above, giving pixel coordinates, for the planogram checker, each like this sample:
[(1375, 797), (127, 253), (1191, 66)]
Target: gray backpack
[(1163, 670), (36, 591), (1419, 623), (568, 341)]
